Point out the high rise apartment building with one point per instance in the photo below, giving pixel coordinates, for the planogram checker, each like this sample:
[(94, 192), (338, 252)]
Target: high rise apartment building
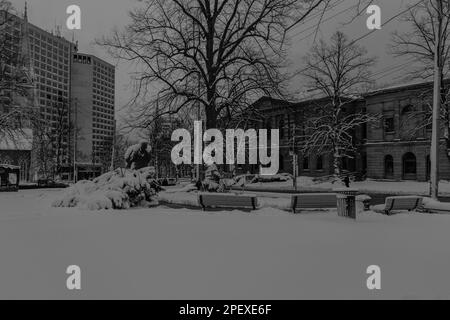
[(72, 92), (93, 86)]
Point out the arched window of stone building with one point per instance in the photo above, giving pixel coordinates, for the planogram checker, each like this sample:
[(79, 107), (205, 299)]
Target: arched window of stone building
[(319, 163), (281, 163), (344, 163), (24, 168), (409, 166), (305, 163), (388, 167), (364, 163), (408, 123)]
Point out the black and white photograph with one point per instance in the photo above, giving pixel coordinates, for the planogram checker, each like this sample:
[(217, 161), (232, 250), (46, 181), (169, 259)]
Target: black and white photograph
[(224, 150)]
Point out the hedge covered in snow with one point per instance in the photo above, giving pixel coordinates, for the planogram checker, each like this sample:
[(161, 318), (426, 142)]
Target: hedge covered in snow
[(118, 189)]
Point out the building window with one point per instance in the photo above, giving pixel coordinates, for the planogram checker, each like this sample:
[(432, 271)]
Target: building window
[(428, 168), (409, 166), (306, 163), (407, 109), (319, 163), (281, 126), (364, 131), (364, 163), (344, 162), (289, 127), (388, 167), (281, 158), (389, 125)]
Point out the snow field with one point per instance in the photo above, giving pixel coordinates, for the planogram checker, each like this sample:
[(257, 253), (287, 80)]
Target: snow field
[(164, 253)]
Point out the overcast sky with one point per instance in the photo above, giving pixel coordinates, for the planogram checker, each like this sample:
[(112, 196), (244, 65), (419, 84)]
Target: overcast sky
[(99, 17)]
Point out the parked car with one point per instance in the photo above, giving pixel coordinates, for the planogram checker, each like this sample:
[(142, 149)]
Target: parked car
[(50, 183), (256, 178), (167, 181), (171, 181)]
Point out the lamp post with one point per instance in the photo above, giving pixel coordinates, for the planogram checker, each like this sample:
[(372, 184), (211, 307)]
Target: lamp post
[(294, 158), (434, 154), (75, 111)]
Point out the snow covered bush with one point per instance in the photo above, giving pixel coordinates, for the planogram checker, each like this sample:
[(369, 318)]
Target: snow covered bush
[(118, 189)]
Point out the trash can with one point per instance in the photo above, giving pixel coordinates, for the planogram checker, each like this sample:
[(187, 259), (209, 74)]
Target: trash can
[(346, 202), (366, 200)]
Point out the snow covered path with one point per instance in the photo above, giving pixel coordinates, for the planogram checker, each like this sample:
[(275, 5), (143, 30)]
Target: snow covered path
[(164, 253), (367, 186)]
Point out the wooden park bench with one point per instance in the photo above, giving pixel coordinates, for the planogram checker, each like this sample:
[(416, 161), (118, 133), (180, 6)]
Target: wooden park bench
[(227, 200), (313, 201), (409, 203)]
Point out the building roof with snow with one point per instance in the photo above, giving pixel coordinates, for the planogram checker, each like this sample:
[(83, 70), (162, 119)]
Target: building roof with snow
[(19, 140)]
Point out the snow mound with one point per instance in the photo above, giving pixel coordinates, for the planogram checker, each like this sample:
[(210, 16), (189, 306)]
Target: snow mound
[(432, 205), (118, 189)]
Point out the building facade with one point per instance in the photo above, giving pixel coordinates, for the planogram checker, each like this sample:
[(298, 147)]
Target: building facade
[(92, 89), (74, 99), (397, 147), (291, 121)]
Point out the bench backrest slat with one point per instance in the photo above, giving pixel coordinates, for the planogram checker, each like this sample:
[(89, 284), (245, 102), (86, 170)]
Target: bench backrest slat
[(313, 201), (403, 203), (227, 201)]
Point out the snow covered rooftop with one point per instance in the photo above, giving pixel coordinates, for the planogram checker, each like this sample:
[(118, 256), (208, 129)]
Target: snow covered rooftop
[(403, 86), (19, 140)]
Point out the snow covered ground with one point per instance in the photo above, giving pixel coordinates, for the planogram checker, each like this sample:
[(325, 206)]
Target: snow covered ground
[(367, 186), (164, 253)]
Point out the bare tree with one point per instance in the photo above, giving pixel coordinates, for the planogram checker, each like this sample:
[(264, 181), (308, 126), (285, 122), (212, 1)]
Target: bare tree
[(6, 10), (339, 71), (52, 140), (220, 54), (159, 135), (104, 153), (12, 115), (120, 147), (419, 46), (111, 151), (419, 42), (59, 135)]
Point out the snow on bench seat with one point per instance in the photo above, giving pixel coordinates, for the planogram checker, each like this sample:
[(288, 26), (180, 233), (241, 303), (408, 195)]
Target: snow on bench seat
[(435, 206), (398, 203)]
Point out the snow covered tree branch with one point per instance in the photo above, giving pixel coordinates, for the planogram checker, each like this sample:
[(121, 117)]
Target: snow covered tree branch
[(220, 54), (339, 71)]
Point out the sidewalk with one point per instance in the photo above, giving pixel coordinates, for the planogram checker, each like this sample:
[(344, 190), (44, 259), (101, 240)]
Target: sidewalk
[(306, 184)]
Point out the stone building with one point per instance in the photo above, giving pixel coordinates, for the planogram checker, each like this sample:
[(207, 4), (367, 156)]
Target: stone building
[(395, 148), (291, 117), (15, 149), (72, 99), (93, 94), (398, 147)]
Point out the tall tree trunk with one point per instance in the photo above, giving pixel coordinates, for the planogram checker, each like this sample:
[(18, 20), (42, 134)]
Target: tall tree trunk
[(336, 163), (211, 118), (444, 103)]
